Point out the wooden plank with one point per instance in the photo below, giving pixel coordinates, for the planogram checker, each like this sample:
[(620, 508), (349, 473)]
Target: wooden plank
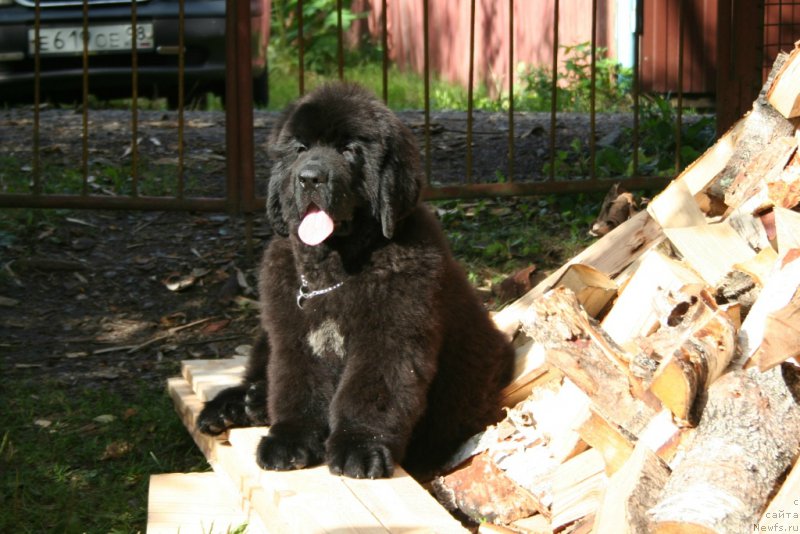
[(307, 500), (194, 503), (209, 377)]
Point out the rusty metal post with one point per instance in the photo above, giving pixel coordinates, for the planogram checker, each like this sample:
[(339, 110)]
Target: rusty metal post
[(134, 104), (427, 85), (511, 90), (301, 50), (679, 115), (554, 93), (340, 39), (37, 98), (470, 84), (593, 99), (385, 43), (240, 167), (85, 102), (636, 81), (181, 102)]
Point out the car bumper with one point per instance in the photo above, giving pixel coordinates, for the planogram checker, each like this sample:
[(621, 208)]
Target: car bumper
[(204, 50)]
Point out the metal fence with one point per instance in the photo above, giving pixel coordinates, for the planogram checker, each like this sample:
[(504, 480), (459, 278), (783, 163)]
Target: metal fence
[(241, 194)]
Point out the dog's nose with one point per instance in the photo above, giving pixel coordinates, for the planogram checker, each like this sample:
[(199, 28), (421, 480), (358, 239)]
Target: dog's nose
[(312, 177)]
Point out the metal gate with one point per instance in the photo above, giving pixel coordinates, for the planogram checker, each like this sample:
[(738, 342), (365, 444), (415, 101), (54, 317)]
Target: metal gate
[(241, 195)]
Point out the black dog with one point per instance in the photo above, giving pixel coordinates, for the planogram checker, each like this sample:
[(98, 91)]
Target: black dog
[(377, 350)]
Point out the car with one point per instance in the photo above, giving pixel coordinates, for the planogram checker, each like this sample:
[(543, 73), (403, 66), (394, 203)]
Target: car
[(110, 41)]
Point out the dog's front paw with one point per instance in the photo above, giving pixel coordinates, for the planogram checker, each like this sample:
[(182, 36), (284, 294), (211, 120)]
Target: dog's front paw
[(359, 457), (288, 447), (224, 411)]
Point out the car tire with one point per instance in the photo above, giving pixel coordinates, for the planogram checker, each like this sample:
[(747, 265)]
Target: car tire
[(261, 89)]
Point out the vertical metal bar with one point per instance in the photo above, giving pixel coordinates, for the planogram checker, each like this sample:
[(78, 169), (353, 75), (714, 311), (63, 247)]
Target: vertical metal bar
[(301, 48), (554, 92), (635, 82), (427, 89), (85, 95), (340, 38), (511, 71), (679, 115), (37, 97), (385, 43), (244, 109), (470, 84), (593, 98), (181, 90), (240, 166), (134, 103)]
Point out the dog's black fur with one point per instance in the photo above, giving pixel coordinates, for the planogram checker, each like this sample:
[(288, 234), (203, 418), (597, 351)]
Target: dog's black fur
[(399, 363)]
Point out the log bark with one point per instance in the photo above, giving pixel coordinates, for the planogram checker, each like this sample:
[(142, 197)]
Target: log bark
[(482, 491), (583, 352), (748, 435)]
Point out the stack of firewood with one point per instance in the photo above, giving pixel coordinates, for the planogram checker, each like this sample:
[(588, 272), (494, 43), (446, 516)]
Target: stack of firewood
[(656, 387)]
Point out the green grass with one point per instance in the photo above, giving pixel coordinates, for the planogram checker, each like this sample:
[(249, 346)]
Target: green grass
[(65, 467)]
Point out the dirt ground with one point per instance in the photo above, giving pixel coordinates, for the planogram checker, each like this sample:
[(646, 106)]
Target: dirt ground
[(101, 297)]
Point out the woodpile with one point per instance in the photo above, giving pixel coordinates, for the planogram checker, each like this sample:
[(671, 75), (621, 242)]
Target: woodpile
[(657, 388)]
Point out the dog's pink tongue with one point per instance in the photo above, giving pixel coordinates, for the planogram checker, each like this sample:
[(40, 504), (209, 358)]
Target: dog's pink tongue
[(315, 227)]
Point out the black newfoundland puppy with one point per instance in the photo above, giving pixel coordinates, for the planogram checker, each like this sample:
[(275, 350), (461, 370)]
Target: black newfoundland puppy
[(377, 350)]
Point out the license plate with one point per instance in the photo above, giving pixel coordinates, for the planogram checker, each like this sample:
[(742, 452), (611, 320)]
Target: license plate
[(102, 38)]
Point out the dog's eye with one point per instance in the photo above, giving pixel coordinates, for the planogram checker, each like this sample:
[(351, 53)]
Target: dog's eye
[(300, 147), (349, 152)]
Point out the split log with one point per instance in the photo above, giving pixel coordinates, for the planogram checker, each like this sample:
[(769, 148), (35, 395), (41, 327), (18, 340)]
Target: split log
[(759, 127), (766, 167), (637, 312), (609, 255), (578, 487), (787, 228), (710, 249), (663, 436), (783, 94), (631, 492), (781, 336), (482, 491), (593, 289), (676, 207), (695, 344), (538, 436), (775, 295), (530, 369), (614, 444), (727, 475), (784, 509), (584, 352)]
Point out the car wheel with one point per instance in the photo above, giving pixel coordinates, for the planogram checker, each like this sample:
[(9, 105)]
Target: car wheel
[(261, 89)]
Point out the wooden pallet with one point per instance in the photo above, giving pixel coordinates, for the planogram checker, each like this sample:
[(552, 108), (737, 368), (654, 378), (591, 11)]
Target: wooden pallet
[(308, 500)]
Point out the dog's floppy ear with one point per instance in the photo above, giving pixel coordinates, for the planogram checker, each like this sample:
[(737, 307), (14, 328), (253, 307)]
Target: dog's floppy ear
[(400, 181), (274, 208)]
